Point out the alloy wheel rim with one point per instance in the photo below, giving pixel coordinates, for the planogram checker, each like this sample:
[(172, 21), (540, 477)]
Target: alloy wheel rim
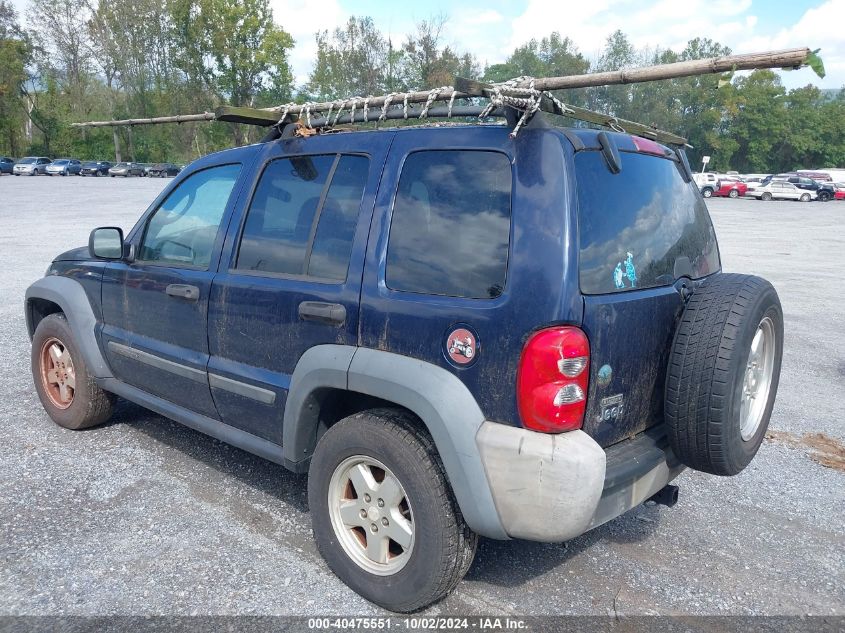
[(757, 381), (58, 375), (371, 515)]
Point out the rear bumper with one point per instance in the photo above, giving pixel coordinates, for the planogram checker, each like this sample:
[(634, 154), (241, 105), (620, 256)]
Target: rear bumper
[(555, 487)]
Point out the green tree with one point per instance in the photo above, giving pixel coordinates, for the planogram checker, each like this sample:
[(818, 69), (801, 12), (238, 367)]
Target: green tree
[(15, 53)]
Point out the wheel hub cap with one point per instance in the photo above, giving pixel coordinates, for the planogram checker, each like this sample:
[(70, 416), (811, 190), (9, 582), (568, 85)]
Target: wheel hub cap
[(371, 515), (757, 380), (57, 373)]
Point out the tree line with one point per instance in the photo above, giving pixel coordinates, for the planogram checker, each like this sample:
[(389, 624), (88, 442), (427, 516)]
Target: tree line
[(87, 60)]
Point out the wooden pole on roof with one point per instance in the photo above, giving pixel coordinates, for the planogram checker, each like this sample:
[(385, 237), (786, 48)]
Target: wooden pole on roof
[(789, 58)]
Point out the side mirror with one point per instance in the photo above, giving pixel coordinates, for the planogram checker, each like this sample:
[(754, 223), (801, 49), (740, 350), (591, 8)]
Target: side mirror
[(106, 242)]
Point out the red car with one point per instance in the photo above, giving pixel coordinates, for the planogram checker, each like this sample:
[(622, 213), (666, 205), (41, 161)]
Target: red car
[(731, 189)]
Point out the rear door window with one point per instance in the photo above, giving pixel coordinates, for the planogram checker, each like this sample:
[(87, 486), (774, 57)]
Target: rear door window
[(303, 216), (450, 229), (640, 228)]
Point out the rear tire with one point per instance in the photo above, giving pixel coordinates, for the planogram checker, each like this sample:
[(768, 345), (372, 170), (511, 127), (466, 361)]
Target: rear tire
[(723, 373), (766, 196), (707, 192), (805, 197), (67, 391), (733, 193), (441, 549)]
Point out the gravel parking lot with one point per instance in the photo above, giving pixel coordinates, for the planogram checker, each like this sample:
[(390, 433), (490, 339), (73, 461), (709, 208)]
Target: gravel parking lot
[(144, 516)]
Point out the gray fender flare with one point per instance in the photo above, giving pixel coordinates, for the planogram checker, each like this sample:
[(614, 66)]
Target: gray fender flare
[(70, 296), (438, 397)]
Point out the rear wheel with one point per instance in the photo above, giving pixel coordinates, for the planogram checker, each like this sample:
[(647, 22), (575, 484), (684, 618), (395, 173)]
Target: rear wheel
[(707, 192), (723, 373), (805, 197), (384, 517), (66, 389), (824, 195), (766, 196), (733, 193)]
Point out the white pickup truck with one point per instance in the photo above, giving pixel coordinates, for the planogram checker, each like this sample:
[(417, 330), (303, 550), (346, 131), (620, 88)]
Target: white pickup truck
[(707, 183)]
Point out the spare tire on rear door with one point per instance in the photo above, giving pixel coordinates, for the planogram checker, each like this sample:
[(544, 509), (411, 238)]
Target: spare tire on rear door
[(723, 373)]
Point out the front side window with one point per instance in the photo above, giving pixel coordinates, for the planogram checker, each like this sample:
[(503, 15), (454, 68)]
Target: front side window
[(450, 229), (183, 229), (303, 216)]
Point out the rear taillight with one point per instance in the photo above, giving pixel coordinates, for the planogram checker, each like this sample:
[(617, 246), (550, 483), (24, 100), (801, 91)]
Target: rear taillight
[(552, 381)]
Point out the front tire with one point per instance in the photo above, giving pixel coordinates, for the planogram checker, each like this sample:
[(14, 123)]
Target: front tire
[(67, 391), (805, 197), (383, 514), (733, 193), (766, 196), (707, 192)]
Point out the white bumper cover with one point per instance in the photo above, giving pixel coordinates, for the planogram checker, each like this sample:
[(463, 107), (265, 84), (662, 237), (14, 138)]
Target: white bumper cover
[(545, 487)]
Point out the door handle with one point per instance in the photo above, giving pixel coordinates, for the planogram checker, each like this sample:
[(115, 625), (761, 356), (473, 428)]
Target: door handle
[(332, 313), (191, 293)]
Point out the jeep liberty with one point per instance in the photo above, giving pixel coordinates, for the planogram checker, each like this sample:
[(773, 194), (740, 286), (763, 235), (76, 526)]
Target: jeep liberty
[(454, 331)]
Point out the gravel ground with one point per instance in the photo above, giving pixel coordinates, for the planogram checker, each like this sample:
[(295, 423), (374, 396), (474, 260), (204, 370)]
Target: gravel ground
[(144, 516)]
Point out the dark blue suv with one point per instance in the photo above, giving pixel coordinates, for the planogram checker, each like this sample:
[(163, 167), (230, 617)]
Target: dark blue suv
[(454, 331)]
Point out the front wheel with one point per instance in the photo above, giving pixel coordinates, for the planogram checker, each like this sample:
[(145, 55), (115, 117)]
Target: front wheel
[(707, 192), (383, 514), (805, 197), (766, 196), (733, 193), (67, 391)]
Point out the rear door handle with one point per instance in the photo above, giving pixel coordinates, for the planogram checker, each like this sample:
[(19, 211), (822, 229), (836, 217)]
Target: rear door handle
[(332, 313), (191, 293)]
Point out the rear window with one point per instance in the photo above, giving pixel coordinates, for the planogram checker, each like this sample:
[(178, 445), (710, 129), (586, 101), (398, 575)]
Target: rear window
[(641, 228), (450, 230)]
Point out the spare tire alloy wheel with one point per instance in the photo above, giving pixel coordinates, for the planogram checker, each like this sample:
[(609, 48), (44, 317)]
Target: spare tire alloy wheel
[(723, 373), (371, 515), (757, 383)]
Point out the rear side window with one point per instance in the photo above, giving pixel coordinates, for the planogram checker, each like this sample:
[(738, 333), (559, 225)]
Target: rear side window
[(302, 218), (640, 228), (450, 230)]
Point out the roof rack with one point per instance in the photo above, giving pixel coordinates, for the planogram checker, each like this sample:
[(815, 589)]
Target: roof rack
[(517, 99)]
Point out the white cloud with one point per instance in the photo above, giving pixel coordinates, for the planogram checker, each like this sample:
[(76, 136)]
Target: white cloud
[(298, 19), (819, 27)]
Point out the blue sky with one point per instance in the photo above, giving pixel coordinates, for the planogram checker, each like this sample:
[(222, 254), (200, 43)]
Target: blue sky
[(490, 29)]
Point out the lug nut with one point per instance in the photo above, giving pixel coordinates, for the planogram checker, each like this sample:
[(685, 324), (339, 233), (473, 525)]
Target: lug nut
[(374, 527), (381, 503), (367, 498), (363, 514), (385, 522)]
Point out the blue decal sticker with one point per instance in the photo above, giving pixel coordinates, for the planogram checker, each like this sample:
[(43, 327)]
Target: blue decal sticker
[(605, 374), (617, 276), (630, 271)]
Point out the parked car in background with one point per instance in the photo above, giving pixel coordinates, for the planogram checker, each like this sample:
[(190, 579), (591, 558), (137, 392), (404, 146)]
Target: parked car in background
[(6, 165), (823, 191), (31, 166), (95, 168), (64, 167), (730, 188), (162, 170), (127, 169), (707, 183), (839, 191), (781, 190)]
